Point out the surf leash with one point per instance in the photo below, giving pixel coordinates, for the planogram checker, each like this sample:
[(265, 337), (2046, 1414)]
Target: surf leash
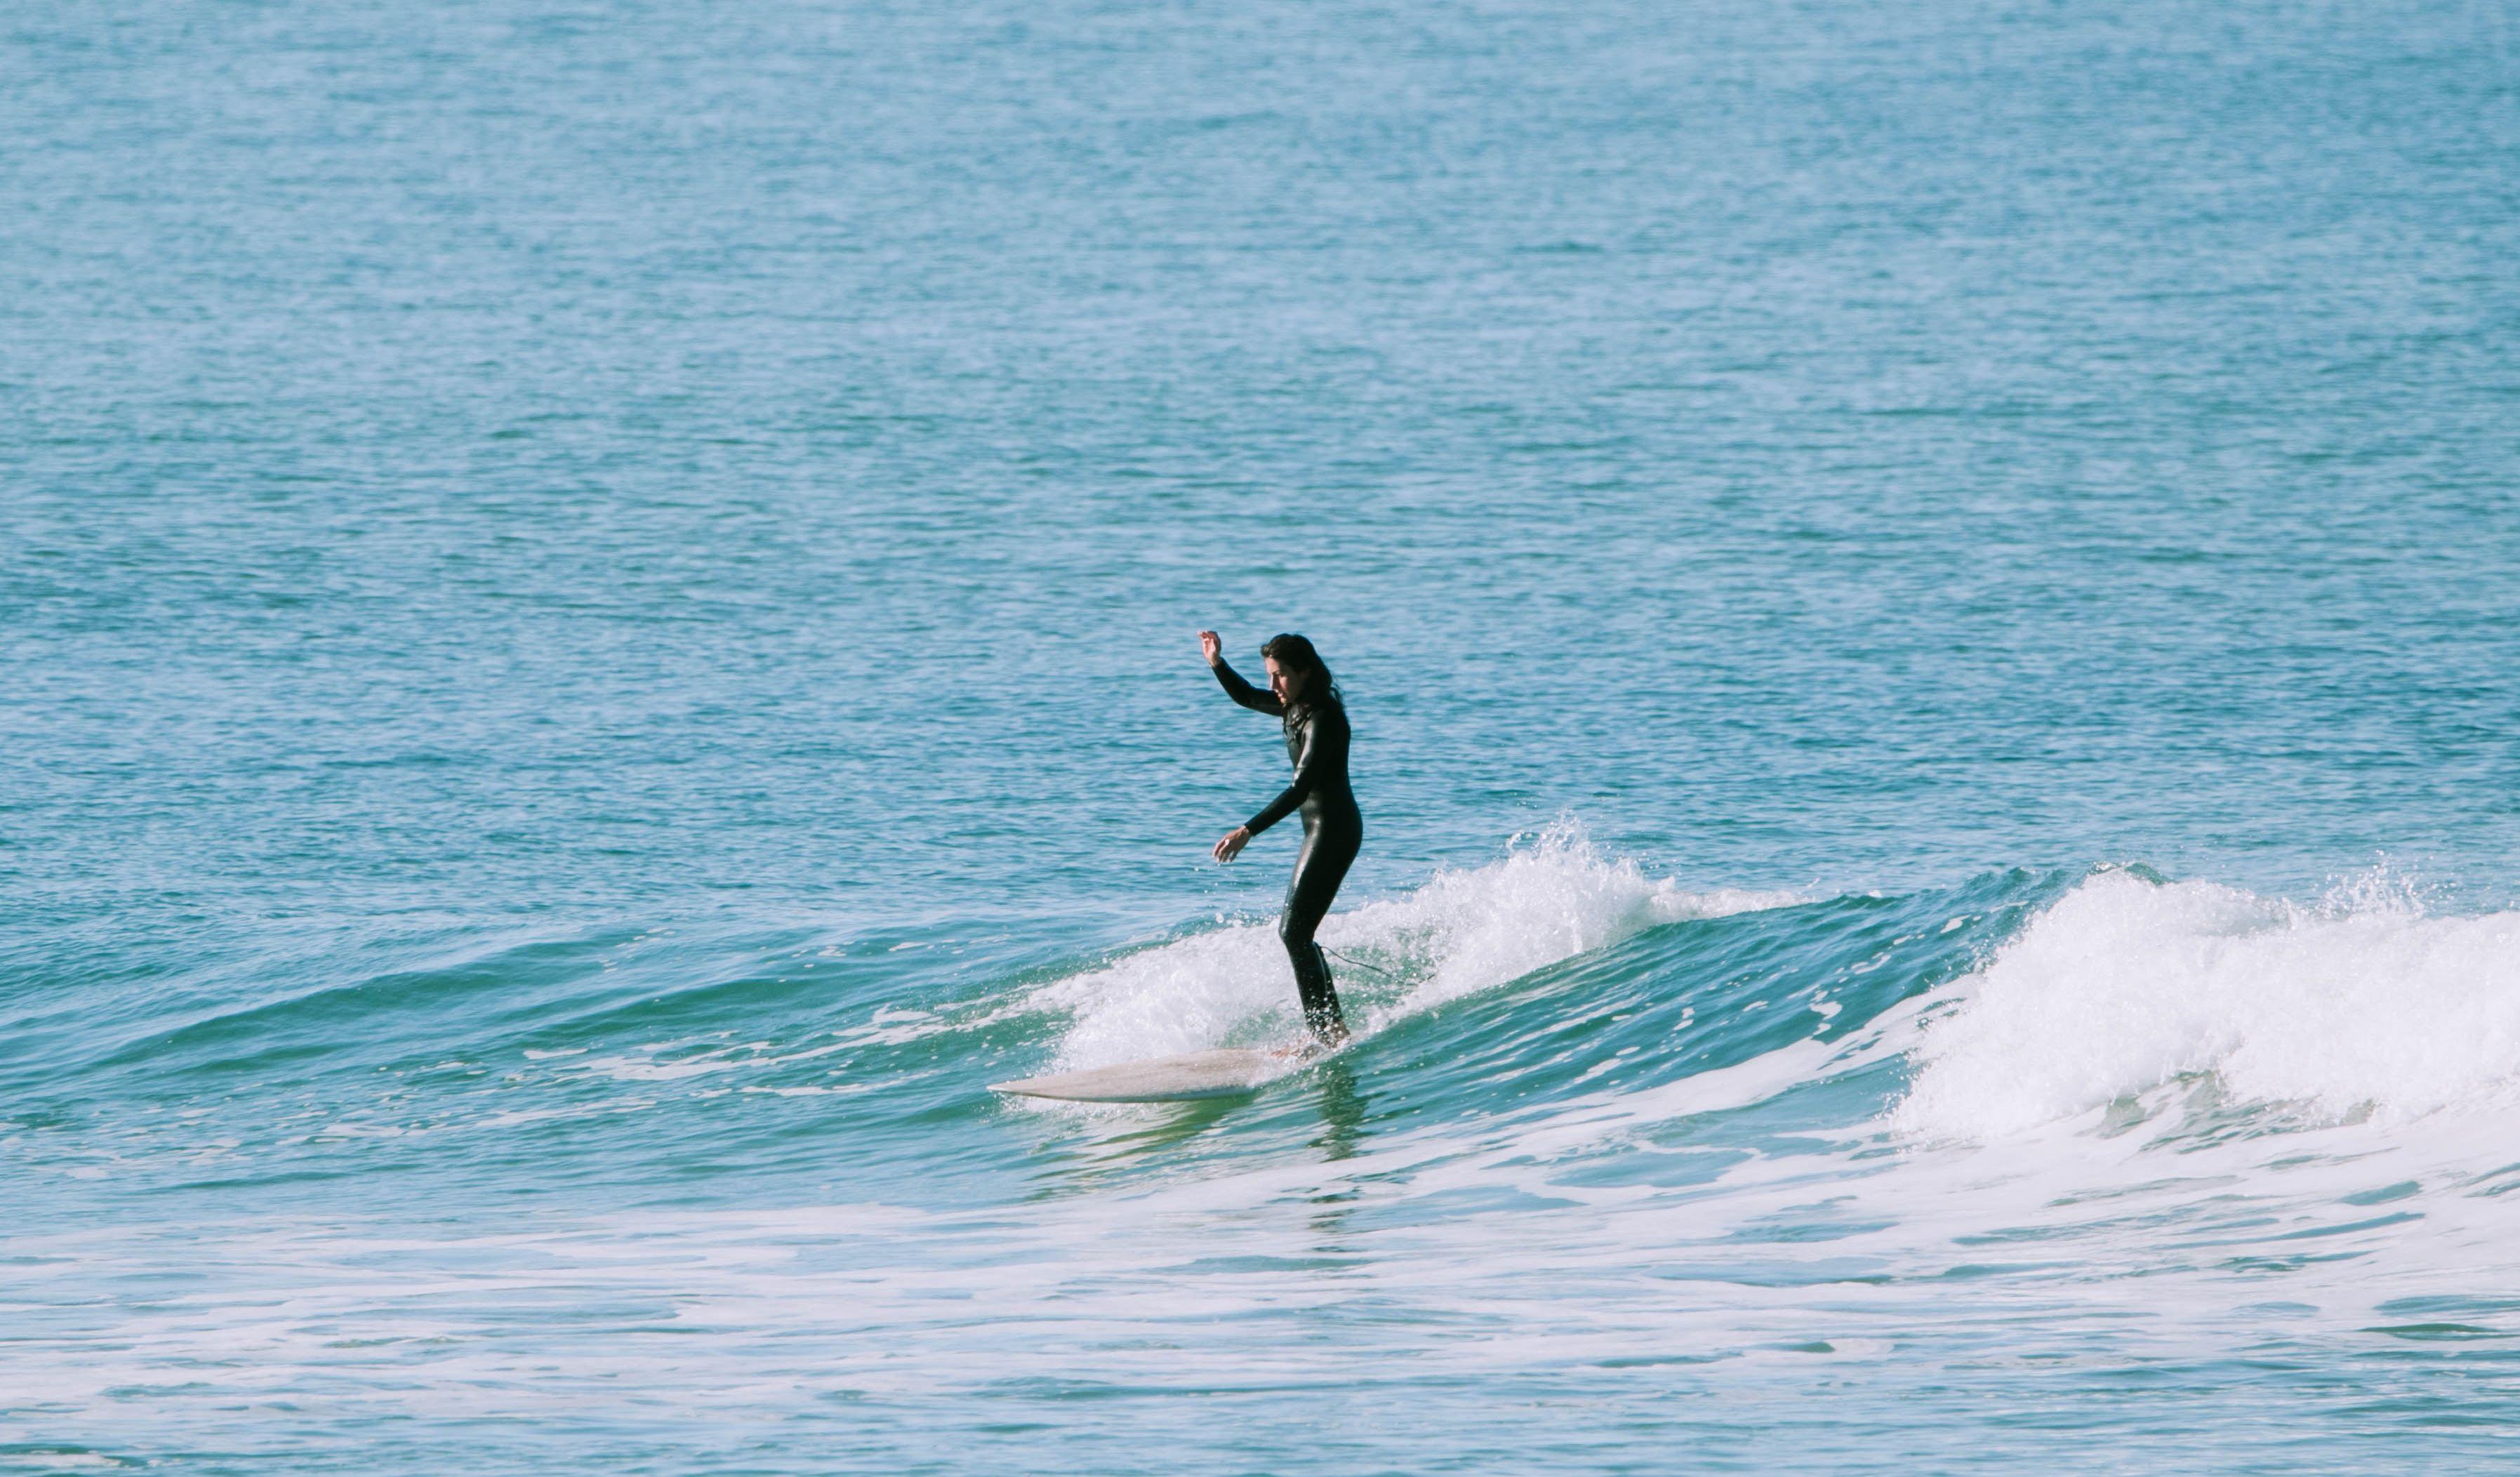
[(1353, 962)]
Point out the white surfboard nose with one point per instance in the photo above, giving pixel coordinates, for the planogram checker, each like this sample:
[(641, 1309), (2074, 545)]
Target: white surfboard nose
[(1222, 1073)]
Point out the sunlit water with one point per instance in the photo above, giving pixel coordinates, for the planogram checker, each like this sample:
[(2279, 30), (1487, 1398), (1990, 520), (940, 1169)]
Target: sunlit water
[(597, 614)]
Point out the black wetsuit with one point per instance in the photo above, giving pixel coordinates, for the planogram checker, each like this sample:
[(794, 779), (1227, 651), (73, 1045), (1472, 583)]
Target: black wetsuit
[(1333, 828)]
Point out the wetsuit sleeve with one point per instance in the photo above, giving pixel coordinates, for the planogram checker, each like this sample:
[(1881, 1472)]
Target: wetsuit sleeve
[(1258, 699), (1323, 751)]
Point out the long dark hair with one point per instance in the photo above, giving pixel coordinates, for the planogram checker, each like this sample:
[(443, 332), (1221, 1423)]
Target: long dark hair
[(1293, 652)]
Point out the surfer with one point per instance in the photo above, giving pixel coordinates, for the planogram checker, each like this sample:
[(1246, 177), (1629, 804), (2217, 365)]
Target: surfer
[(1302, 696)]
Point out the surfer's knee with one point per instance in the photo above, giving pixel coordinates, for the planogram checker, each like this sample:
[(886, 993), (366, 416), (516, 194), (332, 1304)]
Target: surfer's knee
[(1296, 934)]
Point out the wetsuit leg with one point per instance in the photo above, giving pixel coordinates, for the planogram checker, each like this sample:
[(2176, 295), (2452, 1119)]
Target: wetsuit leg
[(1329, 850)]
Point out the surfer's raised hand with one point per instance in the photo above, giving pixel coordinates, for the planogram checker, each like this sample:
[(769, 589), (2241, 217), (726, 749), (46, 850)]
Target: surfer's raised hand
[(1209, 647), (1233, 844)]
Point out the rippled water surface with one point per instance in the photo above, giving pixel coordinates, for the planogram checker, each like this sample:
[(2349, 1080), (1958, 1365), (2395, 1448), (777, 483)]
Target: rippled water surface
[(597, 608)]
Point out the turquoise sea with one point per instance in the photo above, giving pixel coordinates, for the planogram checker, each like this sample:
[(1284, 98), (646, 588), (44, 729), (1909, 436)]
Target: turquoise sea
[(597, 632)]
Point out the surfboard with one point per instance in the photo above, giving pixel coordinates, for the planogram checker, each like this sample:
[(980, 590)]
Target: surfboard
[(1192, 1077)]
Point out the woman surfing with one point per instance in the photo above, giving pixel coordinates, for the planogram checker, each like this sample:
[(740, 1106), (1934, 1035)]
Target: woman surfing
[(1303, 699)]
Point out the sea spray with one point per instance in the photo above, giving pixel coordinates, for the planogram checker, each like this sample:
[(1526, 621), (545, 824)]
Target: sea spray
[(1552, 896), (2362, 1003)]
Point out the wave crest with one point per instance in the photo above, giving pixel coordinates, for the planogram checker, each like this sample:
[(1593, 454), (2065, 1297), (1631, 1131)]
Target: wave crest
[(2364, 1004), (1552, 896)]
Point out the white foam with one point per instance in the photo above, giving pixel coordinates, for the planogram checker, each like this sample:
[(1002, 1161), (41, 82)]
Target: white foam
[(2363, 1004), (1550, 897)]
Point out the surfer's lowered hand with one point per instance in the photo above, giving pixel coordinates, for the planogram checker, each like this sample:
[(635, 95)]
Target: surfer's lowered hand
[(1210, 648)]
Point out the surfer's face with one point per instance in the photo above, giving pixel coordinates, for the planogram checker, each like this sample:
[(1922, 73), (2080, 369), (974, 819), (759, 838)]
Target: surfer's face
[(1288, 686)]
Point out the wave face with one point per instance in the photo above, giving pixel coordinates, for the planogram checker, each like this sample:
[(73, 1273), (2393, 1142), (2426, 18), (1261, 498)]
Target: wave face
[(1600, 1139)]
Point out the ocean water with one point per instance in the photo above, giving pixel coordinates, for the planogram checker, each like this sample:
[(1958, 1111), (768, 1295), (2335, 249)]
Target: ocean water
[(597, 614)]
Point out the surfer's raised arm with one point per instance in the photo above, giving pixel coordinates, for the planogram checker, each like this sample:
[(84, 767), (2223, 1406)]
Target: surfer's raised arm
[(1241, 691)]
